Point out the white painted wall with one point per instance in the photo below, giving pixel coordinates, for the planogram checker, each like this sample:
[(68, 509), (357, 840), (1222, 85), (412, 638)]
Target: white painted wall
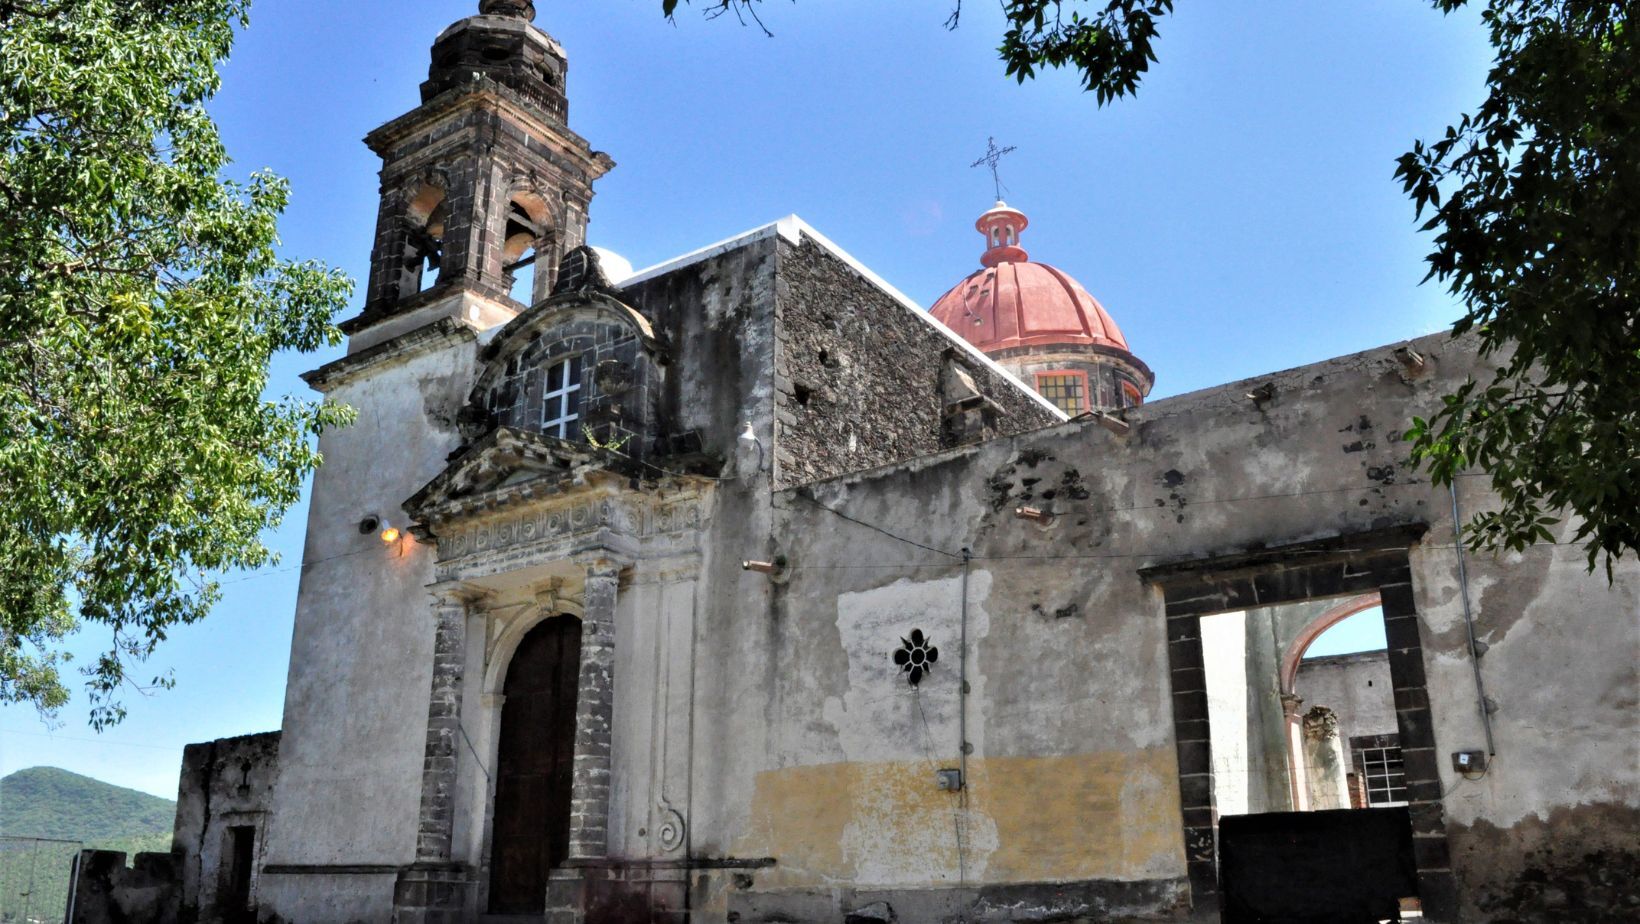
[(355, 720), (1224, 655)]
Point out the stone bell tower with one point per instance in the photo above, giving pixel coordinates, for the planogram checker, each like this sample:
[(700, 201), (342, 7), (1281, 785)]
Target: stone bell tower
[(481, 185)]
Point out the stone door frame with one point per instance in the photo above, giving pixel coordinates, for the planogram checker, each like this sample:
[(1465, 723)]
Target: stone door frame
[(1374, 562)]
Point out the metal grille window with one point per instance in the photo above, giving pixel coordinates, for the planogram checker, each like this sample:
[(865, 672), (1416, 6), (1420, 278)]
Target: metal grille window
[(1065, 389), (1379, 765), (561, 401)]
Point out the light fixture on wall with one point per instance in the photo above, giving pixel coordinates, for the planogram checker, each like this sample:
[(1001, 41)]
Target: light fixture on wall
[(1410, 358), (1262, 394), (1034, 514), (775, 568), (377, 524), (748, 446)]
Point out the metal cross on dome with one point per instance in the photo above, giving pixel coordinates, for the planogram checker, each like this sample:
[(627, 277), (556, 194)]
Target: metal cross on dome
[(993, 156)]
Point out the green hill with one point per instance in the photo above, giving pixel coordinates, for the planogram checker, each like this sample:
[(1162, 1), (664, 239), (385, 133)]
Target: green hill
[(48, 802), (45, 802)]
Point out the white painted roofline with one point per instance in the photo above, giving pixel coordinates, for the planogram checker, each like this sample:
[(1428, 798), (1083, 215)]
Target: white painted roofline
[(794, 229)]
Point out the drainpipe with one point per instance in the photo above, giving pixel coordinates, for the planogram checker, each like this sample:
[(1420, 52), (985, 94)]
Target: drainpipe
[(1469, 620), (962, 676)]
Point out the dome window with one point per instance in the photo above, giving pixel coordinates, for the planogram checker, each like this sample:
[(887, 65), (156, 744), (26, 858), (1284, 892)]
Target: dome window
[(1067, 390)]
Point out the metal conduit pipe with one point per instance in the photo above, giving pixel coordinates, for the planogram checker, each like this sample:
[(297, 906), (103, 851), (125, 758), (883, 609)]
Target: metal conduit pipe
[(1469, 620)]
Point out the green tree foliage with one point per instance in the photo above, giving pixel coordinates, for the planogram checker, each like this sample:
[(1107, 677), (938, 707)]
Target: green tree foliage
[(1535, 208), (141, 299), (1536, 215), (1107, 42)]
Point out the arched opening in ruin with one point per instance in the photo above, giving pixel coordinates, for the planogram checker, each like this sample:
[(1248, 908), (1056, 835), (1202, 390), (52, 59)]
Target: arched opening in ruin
[(535, 761), (1345, 750), (1235, 618)]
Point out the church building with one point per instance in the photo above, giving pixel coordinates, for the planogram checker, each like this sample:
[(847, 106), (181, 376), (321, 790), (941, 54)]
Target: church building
[(746, 590)]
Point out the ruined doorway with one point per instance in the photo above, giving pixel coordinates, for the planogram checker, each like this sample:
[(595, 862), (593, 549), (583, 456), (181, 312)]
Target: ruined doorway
[(1344, 566), (235, 899), (1294, 692), (534, 766)]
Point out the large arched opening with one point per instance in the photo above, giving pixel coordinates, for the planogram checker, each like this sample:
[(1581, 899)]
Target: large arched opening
[(535, 759)]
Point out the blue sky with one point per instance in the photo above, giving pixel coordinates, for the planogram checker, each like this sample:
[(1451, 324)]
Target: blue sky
[(1236, 218)]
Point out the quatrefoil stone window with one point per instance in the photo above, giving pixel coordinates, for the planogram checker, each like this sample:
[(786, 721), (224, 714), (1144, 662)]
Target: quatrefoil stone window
[(916, 657)]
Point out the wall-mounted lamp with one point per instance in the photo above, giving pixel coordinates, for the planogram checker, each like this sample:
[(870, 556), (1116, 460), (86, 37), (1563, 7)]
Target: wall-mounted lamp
[(374, 523), (772, 568), (747, 445), (1034, 514), (1262, 393), (1410, 358)]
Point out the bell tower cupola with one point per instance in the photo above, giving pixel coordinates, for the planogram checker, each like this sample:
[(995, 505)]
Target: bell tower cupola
[(484, 187)]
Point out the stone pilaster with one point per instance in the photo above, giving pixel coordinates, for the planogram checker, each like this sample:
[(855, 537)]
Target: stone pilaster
[(435, 826), (594, 714), (434, 888)]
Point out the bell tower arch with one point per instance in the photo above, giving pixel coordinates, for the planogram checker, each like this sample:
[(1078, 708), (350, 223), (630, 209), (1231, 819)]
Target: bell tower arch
[(480, 183)]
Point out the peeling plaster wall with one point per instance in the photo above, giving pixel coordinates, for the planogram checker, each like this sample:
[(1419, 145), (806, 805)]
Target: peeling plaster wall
[(1356, 687), (716, 319), (1069, 715)]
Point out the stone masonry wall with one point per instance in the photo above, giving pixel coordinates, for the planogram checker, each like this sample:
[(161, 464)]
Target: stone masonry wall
[(858, 377)]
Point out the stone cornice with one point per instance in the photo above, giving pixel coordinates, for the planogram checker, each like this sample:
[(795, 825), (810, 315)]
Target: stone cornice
[(484, 93), (446, 331)]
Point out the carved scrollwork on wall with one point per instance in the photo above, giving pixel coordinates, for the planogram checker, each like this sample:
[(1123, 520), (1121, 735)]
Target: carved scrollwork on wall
[(672, 828)]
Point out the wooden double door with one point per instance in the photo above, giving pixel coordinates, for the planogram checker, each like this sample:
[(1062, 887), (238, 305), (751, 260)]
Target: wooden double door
[(535, 766)]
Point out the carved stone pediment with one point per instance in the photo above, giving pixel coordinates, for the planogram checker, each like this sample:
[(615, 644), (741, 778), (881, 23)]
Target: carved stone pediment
[(503, 469), (517, 490)]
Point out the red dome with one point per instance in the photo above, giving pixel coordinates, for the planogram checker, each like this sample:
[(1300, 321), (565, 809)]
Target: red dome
[(1013, 302), (1025, 304)]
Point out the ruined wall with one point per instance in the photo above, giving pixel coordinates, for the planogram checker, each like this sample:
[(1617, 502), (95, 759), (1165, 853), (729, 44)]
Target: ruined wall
[(858, 374), (1073, 805), (715, 319), (106, 891), (1356, 687), (225, 784)]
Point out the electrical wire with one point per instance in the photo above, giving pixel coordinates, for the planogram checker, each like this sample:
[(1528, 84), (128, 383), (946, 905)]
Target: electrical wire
[(874, 527)]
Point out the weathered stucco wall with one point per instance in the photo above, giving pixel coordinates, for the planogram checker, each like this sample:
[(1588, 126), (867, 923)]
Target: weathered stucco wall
[(361, 653), (1356, 687), (715, 317), (1067, 667)]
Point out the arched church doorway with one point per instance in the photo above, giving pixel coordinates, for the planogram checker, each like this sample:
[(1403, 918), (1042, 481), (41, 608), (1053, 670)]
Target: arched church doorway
[(534, 765)]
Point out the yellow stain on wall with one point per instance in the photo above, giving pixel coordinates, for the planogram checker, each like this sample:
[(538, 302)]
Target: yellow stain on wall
[(1106, 815)]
